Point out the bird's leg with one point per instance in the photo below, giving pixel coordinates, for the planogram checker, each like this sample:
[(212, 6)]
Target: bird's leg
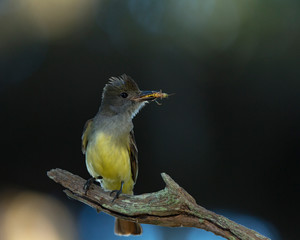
[(118, 192), (89, 182)]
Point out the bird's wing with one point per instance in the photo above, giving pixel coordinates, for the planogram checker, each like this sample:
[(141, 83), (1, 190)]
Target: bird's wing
[(133, 152), (86, 131)]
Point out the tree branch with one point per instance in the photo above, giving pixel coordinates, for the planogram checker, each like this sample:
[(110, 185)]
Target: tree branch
[(171, 207)]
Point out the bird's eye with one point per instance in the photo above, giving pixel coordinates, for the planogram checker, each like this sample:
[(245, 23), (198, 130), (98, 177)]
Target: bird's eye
[(124, 95)]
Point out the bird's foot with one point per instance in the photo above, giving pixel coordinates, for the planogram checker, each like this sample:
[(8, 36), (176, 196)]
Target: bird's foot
[(89, 182), (118, 192)]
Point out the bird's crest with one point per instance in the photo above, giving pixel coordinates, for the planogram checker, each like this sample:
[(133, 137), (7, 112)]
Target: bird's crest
[(122, 83)]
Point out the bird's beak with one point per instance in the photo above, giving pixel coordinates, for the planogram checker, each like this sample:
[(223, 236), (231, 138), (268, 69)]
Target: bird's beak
[(149, 96)]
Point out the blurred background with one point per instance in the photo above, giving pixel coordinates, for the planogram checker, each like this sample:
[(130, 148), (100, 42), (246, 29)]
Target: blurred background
[(230, 135)]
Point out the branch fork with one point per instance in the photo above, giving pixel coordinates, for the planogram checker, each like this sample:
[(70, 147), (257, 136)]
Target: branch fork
[(170, 207)]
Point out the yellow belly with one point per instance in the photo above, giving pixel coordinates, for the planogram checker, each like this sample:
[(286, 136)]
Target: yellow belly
[(109, 158)]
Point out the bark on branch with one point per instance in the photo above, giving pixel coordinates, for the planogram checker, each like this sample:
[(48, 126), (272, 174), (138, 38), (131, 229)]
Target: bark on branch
[(171, 207)]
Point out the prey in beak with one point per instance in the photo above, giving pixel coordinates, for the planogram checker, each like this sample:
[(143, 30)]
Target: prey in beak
[(150, 96)]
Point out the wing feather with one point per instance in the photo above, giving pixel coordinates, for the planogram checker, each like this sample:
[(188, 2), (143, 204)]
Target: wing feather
[(85, 135), (133, 152)]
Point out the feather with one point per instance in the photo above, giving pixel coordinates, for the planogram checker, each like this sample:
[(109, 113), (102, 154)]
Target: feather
[(133, 153), (85, 135)]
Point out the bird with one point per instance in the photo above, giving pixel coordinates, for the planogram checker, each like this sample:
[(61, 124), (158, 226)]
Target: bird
[(108, 142)]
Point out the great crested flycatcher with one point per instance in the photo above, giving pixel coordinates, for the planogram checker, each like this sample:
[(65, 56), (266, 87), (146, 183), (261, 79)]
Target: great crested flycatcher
[(108, 141)]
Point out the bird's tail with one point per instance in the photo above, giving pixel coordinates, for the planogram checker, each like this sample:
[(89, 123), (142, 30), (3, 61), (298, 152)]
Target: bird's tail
[(123, 227)]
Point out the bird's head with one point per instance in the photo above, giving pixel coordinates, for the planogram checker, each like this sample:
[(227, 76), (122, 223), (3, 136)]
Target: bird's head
[(122, 95)]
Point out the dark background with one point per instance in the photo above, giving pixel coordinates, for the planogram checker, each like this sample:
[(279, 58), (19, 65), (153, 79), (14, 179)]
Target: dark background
[(230, 135)]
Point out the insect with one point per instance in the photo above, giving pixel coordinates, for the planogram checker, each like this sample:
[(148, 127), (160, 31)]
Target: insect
[(156, 95), (160, 94), (153, 96)]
